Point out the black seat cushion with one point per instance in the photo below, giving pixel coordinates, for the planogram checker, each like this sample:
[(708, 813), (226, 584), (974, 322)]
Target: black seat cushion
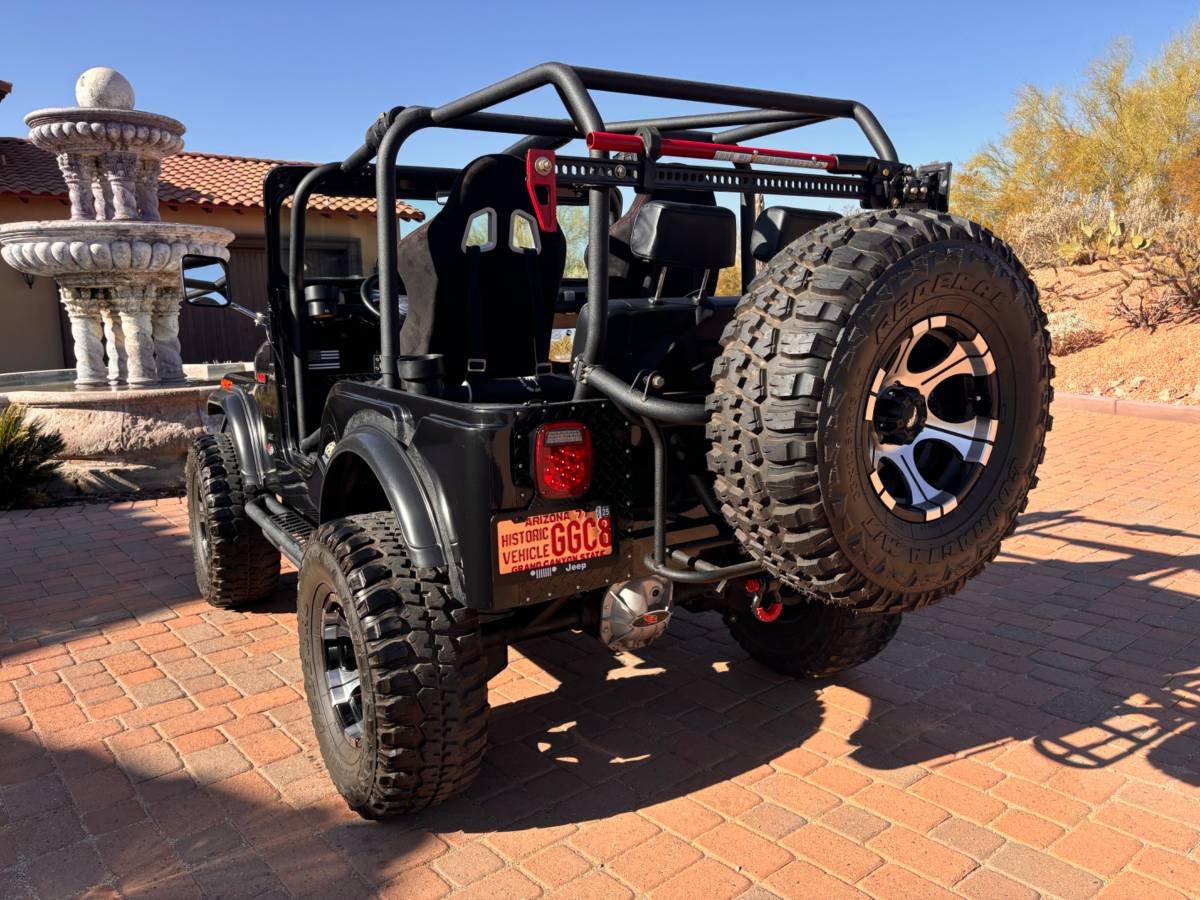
[(630, 276), (435, 268), (684, 235), (778, 226)]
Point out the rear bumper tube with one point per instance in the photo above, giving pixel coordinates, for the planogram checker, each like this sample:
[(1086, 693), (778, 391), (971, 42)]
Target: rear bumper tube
[(699, 571)]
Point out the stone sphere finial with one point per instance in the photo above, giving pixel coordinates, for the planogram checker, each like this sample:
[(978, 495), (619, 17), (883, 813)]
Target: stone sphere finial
[(104, 88)]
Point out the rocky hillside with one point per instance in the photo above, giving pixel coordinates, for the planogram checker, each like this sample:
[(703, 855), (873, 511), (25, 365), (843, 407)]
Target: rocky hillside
[(1096, 352)]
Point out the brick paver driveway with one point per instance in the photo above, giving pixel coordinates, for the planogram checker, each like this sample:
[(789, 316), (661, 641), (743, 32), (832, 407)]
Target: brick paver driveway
[(1036, 734)]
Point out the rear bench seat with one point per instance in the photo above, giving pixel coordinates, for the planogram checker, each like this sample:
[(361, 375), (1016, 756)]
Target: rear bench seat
[(679, 336)]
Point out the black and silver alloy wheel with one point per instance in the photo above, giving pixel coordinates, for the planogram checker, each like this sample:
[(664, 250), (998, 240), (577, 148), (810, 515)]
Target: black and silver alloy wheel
[(880, 407), (933, 418), (198, 520), (342, 682), (393, 669)]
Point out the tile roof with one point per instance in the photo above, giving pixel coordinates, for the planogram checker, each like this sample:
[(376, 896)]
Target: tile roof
[(200, 179)]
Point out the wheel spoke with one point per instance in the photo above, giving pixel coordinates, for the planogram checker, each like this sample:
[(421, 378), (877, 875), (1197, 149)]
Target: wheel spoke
[(919, 490), (964, 359), (343, 683), (972, 438), (899, 370), (921, 494)]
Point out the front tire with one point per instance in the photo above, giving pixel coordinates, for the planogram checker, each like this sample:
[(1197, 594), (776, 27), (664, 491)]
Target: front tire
[(811, 639), (393, 669), (235, 564)]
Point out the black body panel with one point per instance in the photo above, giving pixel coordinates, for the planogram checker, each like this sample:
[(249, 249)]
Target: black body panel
[(448, 469)]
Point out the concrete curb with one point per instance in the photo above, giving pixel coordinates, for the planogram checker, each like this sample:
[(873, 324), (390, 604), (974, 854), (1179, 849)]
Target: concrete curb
[(1142, 409)]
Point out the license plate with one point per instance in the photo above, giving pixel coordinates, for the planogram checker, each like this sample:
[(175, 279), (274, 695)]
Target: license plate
[(553, 539)]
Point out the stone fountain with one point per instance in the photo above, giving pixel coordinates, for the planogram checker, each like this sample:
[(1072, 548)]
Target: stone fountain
[(131, 413), (116, 263)]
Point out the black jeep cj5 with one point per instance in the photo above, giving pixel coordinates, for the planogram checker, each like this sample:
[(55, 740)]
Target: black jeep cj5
[(849, 439)]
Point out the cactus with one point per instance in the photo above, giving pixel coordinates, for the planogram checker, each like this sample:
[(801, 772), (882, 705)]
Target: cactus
[(1094, 243)]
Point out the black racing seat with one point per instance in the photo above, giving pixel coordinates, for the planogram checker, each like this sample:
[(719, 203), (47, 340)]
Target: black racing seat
[(778, 226), (676, 336), (482, 278)]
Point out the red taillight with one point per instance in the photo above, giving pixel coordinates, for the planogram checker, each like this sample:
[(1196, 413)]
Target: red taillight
[(226, 384), (562, 460)]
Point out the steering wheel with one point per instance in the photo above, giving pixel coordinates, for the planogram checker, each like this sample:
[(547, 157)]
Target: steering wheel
[(364, 293)]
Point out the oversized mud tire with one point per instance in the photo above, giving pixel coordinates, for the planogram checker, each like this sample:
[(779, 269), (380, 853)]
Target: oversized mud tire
[(811, 639), (393, 669), (235, 564), (880, 408)]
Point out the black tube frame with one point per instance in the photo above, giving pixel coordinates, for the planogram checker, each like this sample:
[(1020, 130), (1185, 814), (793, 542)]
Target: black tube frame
[(777, 111), (769, 112)]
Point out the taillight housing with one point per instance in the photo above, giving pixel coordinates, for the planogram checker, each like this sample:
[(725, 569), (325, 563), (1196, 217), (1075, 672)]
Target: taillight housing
[(562, 460)]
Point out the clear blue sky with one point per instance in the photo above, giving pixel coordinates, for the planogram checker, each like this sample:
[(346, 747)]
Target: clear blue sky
[(302, 80)]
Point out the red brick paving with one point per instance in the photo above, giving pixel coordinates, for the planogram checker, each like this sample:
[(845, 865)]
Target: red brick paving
[(1036, 735)]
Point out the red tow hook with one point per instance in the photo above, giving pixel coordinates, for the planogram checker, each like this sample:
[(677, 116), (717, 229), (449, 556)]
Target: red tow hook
[(767, 611)]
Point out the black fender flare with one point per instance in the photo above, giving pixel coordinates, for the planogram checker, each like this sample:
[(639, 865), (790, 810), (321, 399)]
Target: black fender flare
[(401, 485), (243, 422)]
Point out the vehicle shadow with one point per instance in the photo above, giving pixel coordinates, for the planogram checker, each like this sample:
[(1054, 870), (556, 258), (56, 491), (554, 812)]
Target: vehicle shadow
[(1081, 654), (611, 738), (585, 735), (1084, 657)]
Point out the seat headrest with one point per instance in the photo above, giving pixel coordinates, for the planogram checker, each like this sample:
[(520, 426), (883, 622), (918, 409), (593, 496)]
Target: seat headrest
[(684, 235), (778, 226)]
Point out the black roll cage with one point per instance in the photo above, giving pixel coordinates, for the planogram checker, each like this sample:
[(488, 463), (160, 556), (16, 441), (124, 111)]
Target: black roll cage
[(768, 112), (573, 85), (875, 182)]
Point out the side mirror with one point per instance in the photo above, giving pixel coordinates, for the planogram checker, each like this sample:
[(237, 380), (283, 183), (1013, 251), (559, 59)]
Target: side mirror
[(205, 281)]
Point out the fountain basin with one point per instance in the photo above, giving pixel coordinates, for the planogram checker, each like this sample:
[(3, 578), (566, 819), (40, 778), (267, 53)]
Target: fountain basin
[(86, 130), (68, 247), (121, 440)]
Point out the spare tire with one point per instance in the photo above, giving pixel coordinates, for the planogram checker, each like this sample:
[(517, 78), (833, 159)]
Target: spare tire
[(880, 408)]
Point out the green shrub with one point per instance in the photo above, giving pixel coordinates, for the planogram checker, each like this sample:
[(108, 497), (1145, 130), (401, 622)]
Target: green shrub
[(1125, 122), (26, 456)]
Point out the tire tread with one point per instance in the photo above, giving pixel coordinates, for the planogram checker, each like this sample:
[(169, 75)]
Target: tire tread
[(765, 454), (242, 566)]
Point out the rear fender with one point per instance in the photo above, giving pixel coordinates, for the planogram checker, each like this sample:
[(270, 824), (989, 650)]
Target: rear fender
[(242, 420), (396, 478)]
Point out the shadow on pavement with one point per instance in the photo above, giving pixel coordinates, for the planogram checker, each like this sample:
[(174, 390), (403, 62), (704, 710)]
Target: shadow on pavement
[(1098, 669), (1085, 659)]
